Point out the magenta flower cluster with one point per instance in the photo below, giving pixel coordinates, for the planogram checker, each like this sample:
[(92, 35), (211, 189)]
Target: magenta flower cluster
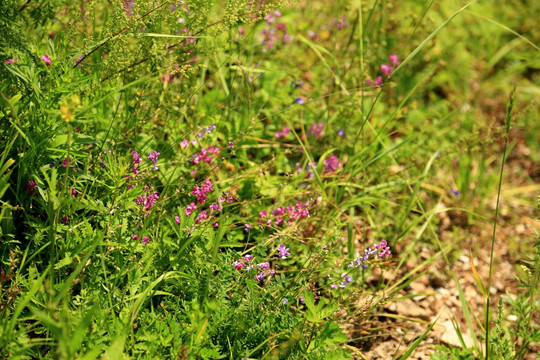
[(386, 70), (31, 187), (283, 133), (147, 200), (201, 191), (274, 33), (291, 213), (316, 130), (331, 164), (206, 155), (381, 249), (154, 158)]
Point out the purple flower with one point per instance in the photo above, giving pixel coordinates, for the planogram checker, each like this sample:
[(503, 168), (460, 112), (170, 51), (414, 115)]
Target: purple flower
[(191, 207), (285, 301), (260, 276), (215, 207), (247, 227), (65, 219), (10, 61), (341, 132), (346, 279), (31, 187), (231, 144), (145, 240), (299, 100), (386, 70), (177, 219), (238, 264), (333, 286), (331, 164), (46, 60), (394, 60), (202, 216), (264, 266), (135, 157), (454, 192), (154, 158), (283, 251), (135, 237)]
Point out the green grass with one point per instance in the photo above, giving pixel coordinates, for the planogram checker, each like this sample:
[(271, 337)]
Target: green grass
[(101, 256)]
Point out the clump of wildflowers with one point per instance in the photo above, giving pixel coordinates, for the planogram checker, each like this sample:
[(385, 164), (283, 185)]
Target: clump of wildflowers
[(273, 33), (346, 279), (47, 60), (331, 164), (386, 70), (283, 251), (154, 158), (31, 187), (316, 130), (147, 200), (202, 216), (201, 191), (283, 133), (206, 155), (190, 208)]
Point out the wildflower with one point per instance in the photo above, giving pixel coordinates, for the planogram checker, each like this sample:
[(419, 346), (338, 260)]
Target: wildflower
[(65, 219), (316, 130), (191, 207), (331, 164), (31, 187), (264, 266), (73, 191), (10, 61), (177, 219), (202, 216), (260, 276), (147, 200), (247, 227), (301, 298), (386, 70), (154, 158), (128, 6), (238, 265), (184, 144), (341, 132), (383, 249), (283, 251), (282, 133), (342, 23), (248, 257), (145, 240), (263, 214), (394, 60), (46, 60), (215, 207), (215, 225), (285, 301), (454, 192), (299, 100), (346, 279), (231, 144), (135, 237), (333, 286), (201, 191)]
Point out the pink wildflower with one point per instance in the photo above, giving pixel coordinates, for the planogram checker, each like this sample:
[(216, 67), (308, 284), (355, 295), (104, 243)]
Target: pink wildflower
[(46, 60)]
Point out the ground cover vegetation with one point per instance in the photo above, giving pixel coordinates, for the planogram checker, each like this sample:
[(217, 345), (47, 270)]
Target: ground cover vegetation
[(263, 179)]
